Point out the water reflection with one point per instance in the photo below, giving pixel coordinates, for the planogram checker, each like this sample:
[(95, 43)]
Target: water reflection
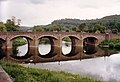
[(103, 68), (89, 49), (20, 51), (2, 53), (66, 47), (46, 51)]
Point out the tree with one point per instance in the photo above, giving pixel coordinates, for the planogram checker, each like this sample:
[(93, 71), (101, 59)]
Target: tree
[(10, 25), (16, 21), (54, 28), (115, 31), (82, 27), (74, 28), (2, 27), (37, 28), (102, 29), (99, 28), (118, 25)]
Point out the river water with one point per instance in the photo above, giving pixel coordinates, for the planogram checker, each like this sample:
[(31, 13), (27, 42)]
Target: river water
[(103, 68)]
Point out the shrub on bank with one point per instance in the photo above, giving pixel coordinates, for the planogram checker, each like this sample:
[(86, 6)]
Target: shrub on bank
[(105, 42), (19, 73), (117, 46), (112, 43)]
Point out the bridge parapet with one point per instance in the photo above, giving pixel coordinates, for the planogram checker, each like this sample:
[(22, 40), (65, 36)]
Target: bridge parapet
[(111, 36)]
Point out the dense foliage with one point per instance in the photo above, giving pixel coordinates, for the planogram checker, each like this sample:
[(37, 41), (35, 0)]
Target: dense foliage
[(19, 41), (37, 28), (2, 27), (19, 73), (10, 25), (113, 43), (44, 41)]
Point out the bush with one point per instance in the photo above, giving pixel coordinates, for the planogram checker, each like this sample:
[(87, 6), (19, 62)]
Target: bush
[(117, 45), (114, 31), (105, 42), (111, 45)]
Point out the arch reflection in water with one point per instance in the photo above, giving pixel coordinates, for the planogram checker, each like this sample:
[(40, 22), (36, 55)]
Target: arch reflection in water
[(20, 47), (2, 49), (89, 49), (2, 53), (44, 44), (48, 42), (44, 49), (66, 45)]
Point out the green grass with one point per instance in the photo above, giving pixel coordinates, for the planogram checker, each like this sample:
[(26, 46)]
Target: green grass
[(19, 73)]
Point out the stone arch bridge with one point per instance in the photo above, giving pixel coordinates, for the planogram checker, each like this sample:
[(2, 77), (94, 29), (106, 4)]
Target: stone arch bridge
[(77, 39)]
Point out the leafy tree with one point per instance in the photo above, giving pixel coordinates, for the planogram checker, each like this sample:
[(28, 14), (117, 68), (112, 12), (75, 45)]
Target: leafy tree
[(115, 31), (2, 27), (10, 25), (99, 28), (54, 27), (102, 29), (73, 28), (118, 25), (38, 28), (82, 27)]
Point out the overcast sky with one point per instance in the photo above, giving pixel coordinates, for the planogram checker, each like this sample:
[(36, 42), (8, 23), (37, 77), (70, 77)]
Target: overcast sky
[(42, 12)]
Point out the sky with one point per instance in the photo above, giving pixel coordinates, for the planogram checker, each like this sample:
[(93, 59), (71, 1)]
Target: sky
[(43, 12)]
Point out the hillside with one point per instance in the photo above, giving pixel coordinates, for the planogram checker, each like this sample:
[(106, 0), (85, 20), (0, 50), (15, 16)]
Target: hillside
[(77, 22)]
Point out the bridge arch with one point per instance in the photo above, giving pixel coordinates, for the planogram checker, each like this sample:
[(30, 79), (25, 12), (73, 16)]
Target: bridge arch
[(27, 37), (2, 43), (90, 40), (52, 40), (48, 36), (71, 36), (2, 48), (27, 54), (74, 42)]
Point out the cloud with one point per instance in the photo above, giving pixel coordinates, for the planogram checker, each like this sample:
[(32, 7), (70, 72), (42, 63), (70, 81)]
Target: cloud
[(88, 6), (33, 12), (3, 0), (38, 1)]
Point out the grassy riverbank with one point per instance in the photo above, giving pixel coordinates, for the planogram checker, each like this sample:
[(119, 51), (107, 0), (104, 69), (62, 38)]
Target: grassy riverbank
[(19, 73)]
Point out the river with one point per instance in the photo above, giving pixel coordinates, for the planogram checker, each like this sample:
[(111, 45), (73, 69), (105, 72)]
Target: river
[(103, 68)]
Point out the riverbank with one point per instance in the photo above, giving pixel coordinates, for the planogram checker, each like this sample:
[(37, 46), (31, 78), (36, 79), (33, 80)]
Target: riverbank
[(20, 73)]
